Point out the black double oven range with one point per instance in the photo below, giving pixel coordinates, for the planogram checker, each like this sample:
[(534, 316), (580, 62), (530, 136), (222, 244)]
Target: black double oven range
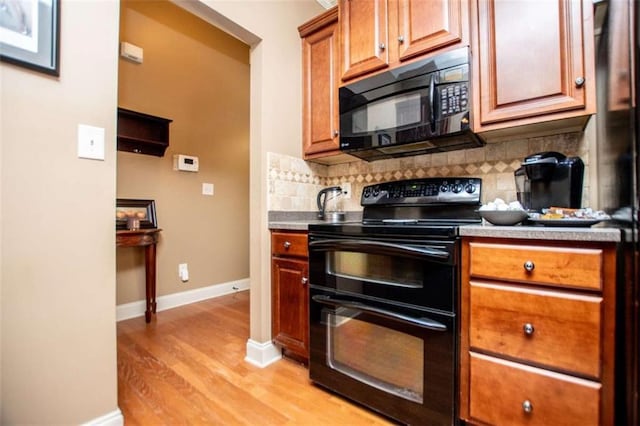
[(384, 296)]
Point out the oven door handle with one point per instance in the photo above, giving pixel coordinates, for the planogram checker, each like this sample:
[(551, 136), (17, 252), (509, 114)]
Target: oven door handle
[(420, 322), (378, 247)]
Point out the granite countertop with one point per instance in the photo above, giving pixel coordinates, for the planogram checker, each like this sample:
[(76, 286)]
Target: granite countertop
[(300, 221), (597, 233)]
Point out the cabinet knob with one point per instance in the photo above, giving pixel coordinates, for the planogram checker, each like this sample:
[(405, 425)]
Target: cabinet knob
[(528, 329), (401, 39), (382, 46), (527, 407), (579, 81), (286, 244), (529, 266), (305, 280), (335, 133)]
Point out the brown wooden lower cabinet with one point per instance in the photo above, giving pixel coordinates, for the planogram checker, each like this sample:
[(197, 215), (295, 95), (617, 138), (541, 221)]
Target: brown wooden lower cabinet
[(537, 332), (289, 290)]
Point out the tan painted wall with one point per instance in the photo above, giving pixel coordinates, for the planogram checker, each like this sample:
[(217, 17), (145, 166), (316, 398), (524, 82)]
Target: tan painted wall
[(198, 76), (57, 241), (276, 110)]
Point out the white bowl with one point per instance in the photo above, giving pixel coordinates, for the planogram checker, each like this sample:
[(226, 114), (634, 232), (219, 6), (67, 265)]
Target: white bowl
[(503, 217)]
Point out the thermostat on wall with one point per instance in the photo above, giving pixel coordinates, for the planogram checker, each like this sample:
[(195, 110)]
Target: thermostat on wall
[(186, 163)]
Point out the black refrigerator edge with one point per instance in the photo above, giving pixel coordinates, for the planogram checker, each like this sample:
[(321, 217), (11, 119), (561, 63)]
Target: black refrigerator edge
[(618, 143)]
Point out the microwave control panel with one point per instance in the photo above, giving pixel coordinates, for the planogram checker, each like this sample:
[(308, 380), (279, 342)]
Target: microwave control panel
[(454, 98)]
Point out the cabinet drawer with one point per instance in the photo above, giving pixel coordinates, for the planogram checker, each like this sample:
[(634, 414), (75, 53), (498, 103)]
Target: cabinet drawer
[(289, 244), (545, 327), (500, 391), (558, 266)]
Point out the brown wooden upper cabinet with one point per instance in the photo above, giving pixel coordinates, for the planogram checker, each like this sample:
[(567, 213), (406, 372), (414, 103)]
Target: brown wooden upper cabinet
[(533, 62), (320, 45), (379, 34)]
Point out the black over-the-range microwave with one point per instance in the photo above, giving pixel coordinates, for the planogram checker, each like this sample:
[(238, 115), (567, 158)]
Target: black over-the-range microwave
[(419, 108)]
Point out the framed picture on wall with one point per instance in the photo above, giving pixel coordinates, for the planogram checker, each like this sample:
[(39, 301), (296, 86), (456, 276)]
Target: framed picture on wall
[(30, 34), (142, 210)]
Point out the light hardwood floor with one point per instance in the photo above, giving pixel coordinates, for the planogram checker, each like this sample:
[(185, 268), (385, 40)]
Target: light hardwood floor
[(187, 367)]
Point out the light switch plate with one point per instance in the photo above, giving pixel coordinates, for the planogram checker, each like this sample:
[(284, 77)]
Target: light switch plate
[(207, 189), (90, 142)]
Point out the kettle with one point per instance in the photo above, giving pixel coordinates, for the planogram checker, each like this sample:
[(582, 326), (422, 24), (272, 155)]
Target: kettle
[(330, 204)]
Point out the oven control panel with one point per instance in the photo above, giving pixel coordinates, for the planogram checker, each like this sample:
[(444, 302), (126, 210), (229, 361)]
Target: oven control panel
[(456, 190)]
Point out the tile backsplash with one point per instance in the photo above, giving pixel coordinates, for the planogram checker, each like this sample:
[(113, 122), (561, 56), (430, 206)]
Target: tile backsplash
[(294, 183)]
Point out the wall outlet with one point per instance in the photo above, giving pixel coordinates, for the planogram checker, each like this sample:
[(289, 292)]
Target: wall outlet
[(346, 190), (183, 272)]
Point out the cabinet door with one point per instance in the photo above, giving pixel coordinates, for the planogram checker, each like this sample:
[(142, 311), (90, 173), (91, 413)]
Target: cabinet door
[(320, 77), (424, 26), (290, 316), (363, 31), (531, 58)]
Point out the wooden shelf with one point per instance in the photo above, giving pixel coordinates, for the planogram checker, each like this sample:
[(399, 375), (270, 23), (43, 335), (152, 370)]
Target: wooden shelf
[(142, 133)]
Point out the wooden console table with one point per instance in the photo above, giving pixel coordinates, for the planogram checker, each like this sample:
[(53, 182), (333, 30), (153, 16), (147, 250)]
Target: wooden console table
[(146, 238)]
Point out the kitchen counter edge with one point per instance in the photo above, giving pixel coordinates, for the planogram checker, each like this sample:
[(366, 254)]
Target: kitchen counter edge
[(591, 234), (300, 221)]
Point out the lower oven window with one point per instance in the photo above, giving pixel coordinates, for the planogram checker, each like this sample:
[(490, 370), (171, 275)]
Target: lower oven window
[(384, 358), (382, 269)]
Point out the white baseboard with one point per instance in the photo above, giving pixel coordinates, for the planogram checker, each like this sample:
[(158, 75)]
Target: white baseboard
[(262, 354), (113, 418), (136, 309)]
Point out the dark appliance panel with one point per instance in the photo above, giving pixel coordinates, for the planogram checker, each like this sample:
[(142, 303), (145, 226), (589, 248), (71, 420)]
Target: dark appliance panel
[(419, 108), (385, 362)]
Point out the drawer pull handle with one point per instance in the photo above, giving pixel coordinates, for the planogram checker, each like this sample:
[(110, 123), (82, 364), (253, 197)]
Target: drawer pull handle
[(527, 407), (528, 329), (305, 280), (286, 245), (529, 266)]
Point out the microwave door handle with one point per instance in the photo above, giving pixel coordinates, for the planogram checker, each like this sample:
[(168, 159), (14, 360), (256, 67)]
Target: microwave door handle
[(380, 248), (423, 322), (432, 101)]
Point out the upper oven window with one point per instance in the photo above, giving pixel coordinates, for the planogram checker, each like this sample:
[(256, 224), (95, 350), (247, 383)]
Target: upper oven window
[(374, 268), (401, 271)]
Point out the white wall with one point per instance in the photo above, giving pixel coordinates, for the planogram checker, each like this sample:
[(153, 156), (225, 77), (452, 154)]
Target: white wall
[(57, 240)]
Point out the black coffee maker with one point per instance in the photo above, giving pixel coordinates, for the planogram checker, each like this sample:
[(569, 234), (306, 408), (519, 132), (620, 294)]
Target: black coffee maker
[(550, 179)]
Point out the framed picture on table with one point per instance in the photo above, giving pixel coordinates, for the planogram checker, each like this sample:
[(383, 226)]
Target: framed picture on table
[(30, 34), (142, 210)]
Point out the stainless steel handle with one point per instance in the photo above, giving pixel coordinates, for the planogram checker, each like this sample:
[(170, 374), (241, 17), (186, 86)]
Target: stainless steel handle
[(528, 329), (527, 407), (401, 39), (579, 81), (305, 280), (286, 244), (335, 133), (382, 46), (529, 266)]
